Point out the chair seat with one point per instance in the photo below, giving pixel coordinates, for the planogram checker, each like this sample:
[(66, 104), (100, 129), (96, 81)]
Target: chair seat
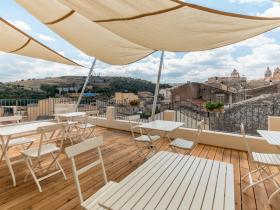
[(72, 122), (19, 141), (92, 202), (45, 149), (85, 126), (145, 138), (266, 158), (182, 143)]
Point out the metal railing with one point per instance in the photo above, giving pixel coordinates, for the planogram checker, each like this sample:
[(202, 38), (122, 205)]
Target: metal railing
[(253, 116)]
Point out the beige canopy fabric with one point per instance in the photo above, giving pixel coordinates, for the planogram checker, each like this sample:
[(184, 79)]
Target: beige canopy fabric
[(124, 31), (13, 40), (86, 35), (172, 25)]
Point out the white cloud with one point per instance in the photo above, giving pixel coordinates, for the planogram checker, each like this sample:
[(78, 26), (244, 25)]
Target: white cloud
[(273, 11), (46, 38), (21, 25)]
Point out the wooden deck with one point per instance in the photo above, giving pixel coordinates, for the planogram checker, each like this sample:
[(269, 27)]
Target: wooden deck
[(120, 158)]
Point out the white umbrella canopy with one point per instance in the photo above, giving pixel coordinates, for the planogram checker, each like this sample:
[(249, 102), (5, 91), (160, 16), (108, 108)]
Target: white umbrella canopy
[(13, 40)]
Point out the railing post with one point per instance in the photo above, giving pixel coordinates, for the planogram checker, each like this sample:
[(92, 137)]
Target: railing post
[(169, 115), (110, 112)]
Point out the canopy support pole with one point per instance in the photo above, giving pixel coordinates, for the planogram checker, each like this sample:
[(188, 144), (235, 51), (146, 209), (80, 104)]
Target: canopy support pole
[(157, 86), (85, 84)]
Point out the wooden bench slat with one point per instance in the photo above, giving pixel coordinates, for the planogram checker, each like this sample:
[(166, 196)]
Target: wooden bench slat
[(174, 180)]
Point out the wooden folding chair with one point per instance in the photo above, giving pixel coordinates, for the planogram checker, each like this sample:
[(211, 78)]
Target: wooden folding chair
[(263, 161), (142, 141), (77, 149), (50, 137), (187, 144)]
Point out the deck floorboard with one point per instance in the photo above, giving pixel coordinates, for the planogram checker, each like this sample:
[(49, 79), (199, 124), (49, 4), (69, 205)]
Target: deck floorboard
[(120, 159)]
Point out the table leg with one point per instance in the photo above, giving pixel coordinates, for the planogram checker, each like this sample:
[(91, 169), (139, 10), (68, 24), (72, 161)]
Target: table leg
[(4, 155)]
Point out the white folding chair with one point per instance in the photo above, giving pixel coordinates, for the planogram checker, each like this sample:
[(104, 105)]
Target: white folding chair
[(50, 137), (85, 129), (23, 142), (77, 149), (263, 161), (187, 144), (142, 141)]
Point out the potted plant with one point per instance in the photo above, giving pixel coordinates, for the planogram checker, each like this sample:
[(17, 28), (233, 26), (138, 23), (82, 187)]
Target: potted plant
[(214, 106), (134, 103)]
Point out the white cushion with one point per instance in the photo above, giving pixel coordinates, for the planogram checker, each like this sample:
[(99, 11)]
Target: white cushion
[(182, 143), (92, 202), (45, 149), (19, 141), (146, 138)]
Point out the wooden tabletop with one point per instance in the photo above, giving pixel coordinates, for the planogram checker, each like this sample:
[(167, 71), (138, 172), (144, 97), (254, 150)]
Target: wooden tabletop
[(175, 181), (272, 137), (22, 128), (162, 125)]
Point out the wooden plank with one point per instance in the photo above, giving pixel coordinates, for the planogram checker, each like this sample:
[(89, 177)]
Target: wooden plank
[(229, 196), (237, 179), (210, 191), (152, 185), (248, 198), (121, 159), (153, 165), (190, 180), (201, 189), (166, 191)]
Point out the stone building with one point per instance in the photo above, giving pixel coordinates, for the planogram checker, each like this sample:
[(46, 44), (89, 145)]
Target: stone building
[(234, 80), (269, 77), (199, 93)]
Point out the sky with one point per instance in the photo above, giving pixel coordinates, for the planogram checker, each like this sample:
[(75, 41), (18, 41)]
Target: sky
[(251, 57)]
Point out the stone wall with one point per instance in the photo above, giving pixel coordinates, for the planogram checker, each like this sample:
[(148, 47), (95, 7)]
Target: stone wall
[(252, 113)]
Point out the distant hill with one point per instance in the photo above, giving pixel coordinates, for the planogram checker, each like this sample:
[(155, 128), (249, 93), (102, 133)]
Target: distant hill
[(48, 86)]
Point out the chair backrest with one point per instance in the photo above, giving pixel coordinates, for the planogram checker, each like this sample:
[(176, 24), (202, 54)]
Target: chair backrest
[(134, 122), (51, 133), (80, 148), (242, 130)]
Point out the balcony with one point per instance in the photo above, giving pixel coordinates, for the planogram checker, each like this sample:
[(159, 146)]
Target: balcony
[(120, 158)]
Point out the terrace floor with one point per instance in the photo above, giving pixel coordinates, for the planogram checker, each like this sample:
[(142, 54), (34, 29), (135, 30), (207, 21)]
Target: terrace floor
[(120, 159)]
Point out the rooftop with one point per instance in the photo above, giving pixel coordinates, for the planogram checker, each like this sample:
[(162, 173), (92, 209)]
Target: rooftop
[(120, 157)]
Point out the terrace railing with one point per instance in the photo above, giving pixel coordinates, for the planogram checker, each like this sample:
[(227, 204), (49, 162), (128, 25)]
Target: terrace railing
[(253, 116)]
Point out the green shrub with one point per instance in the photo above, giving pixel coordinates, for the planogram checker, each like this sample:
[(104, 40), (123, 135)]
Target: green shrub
[(211, 106)]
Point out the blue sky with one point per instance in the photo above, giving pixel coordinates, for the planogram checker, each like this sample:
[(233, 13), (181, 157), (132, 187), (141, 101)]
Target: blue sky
[(250, 57)]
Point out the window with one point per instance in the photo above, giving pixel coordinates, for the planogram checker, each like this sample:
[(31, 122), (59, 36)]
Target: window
[(220, 98)]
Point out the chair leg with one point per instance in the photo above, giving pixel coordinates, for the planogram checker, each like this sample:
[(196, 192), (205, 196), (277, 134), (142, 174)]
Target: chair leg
[(273, 194), (9, 164), (60, 167), (27, 162), (252, 183)]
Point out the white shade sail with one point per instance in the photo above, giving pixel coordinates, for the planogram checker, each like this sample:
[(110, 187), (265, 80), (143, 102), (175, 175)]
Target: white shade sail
[(86, 35), (13, 40), (124, 31)]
